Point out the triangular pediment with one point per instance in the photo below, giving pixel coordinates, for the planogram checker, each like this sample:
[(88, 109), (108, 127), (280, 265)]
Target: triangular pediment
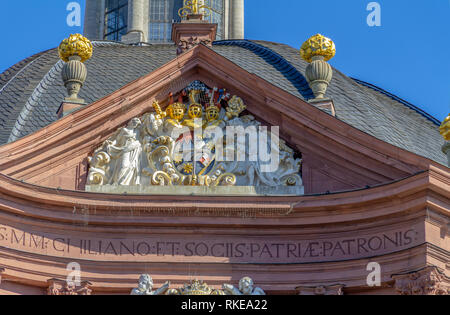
[(335, 155)]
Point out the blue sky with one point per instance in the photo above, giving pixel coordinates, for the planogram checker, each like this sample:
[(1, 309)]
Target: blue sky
[(408, 55)]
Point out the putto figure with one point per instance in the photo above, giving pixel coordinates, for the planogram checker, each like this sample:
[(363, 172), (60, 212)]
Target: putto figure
[(145, 287), (245, 288)]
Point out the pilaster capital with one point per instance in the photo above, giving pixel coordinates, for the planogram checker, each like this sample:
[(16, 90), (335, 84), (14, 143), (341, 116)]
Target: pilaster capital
[(428, 281)]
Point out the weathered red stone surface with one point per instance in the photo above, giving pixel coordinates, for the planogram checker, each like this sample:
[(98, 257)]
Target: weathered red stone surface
[(283, 243)]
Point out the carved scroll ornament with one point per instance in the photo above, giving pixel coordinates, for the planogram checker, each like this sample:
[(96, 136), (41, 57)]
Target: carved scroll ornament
[(428, 281)]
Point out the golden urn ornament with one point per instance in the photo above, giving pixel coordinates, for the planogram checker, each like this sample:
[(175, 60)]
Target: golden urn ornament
[(74, 51), (317, 51), (318, 45), (445, 128), (75, 45)]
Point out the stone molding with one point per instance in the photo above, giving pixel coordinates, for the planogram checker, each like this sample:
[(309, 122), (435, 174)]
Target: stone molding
[(428, 281), (2, 270), (321, 290), (61, 287)]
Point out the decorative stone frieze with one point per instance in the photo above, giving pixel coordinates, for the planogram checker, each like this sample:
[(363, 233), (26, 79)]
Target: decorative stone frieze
[(321, 290), (428, 281), (61, 287), (196, 287), (183, 145)]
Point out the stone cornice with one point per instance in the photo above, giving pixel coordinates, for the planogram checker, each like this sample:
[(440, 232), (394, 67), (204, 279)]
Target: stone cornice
[(70, 206)]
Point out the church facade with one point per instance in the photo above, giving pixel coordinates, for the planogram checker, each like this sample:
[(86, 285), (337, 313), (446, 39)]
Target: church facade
[(127, 167)]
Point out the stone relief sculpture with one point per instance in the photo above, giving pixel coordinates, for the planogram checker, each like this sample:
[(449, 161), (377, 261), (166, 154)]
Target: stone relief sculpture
[(196, 287), (145, 287), (245, 288), (187, 145), (126, 150)]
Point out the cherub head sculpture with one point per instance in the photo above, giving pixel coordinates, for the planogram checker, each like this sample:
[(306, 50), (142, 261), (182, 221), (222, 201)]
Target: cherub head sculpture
[(134, 123), (246, 286), (145, 283)]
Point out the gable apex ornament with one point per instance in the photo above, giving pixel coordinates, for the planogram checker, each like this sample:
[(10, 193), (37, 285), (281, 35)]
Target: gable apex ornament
[(194, 9), (317, 50), (193, 29)]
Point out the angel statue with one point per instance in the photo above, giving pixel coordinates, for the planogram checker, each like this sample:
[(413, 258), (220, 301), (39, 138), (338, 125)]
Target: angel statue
[(145, 287), (126, 150), (245, 288)]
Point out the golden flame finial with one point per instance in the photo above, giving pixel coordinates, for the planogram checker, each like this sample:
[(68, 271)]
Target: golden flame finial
[(75, 45), (194, 7), (445, 128), (318, 45)]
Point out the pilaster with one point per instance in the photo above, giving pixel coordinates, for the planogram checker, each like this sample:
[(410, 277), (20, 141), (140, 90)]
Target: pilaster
[(237, 19), (136, 32)]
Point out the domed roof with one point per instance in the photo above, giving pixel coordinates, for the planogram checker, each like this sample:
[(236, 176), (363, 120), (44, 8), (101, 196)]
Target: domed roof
[(32, 90)]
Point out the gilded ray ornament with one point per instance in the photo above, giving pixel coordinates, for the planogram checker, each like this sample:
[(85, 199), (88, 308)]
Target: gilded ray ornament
[(196, 287), (75, 45), (194, 7), (318, 45)]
